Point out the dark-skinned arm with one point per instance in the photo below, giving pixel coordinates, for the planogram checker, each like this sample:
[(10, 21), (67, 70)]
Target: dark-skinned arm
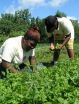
[(32, 61), (9, 66), (66, 39)]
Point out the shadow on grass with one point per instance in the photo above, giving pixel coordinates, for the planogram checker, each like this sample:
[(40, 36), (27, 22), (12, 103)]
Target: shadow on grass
[(48, 64)]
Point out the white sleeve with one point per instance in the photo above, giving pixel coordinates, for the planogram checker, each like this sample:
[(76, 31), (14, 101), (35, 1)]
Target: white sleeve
[(8, 52), (68, 26)]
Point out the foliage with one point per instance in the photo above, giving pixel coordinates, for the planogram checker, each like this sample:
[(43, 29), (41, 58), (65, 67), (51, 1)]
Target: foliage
[(21, 20), (5, 27), (43, 32), (60, 14), (50, 85)]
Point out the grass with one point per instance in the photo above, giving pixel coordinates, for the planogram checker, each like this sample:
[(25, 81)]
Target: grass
[(43, 53), (52, 85)]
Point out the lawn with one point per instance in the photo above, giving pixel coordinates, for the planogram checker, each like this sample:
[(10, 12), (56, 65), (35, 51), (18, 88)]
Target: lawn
[(47, 85)]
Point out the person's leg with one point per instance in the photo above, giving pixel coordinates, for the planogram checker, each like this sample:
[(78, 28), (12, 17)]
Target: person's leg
[(55, 56), (2, 72), (56, 53), (70, 49), (1, 75), (71, 53), (51, 47)]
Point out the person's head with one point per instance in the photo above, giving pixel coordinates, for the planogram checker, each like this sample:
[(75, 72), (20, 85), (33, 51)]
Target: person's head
[(51, 23), (31, 38), (35, 27)]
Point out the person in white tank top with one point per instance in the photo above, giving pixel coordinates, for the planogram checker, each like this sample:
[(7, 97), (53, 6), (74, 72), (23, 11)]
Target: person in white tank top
[(17, 50), (63, 34)]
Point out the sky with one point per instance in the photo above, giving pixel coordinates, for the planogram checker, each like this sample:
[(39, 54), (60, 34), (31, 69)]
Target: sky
[(42, 8)]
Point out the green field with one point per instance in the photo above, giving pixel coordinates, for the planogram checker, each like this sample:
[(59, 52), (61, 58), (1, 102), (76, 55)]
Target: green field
[(47, 85)]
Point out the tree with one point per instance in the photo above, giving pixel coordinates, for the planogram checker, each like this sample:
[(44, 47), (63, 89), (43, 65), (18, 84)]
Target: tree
[(7, 16), (40, 23), (60, 14), (22, 16), (33, 21), (5, 27)]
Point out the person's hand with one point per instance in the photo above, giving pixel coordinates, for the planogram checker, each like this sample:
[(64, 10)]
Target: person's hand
[(51, 47), (58, 46)]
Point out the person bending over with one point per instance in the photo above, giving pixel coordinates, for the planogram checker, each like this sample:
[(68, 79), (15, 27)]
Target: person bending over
[(17, 50), (63, 34)]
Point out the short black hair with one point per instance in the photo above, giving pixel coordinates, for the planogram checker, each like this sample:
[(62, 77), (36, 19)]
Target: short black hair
[(50, 22)]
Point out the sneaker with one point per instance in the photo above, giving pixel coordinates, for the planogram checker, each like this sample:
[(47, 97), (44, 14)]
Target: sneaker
[(54, 62)]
